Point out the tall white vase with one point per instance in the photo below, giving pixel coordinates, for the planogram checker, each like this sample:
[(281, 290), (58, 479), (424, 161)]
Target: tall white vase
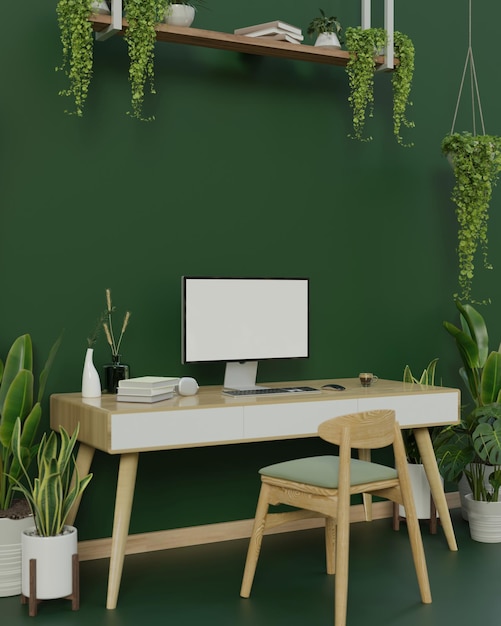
[(91, 384)]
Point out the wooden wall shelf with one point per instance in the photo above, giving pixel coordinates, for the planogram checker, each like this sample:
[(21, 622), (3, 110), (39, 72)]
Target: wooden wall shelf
[(239, 43)]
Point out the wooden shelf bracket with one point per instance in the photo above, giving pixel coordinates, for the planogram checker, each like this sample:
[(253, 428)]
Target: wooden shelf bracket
[(389, 25)]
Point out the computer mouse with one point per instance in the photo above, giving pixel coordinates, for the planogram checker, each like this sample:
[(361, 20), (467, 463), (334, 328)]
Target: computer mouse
[(334, 387)]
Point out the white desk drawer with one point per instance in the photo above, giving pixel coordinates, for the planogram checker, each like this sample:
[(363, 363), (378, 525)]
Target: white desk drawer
[(132, 431), (292, 418)]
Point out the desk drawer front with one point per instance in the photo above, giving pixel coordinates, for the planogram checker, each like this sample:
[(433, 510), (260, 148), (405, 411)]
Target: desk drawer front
[(176, 428), (292, 418), (438, 408)]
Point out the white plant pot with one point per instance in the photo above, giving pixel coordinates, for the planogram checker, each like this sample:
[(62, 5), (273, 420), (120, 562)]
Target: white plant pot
[(484, 519), (328, 40), (420, 490), (100, 7), (54, 563), (179, 14), (10, 554), (464, 489)]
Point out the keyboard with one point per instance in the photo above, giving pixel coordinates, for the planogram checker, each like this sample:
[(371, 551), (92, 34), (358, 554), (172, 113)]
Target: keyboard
[(266, 391)]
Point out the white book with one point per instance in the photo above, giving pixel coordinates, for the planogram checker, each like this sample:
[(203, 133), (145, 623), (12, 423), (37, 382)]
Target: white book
[(121, 397), (280, 37), (148, 382), (146, 391), (275, 24), (275, 33)]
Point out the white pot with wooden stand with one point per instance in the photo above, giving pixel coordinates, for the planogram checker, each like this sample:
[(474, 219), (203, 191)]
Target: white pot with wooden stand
[(49, 566)]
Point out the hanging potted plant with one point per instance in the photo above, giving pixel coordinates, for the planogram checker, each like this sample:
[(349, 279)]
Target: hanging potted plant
[(140, 35), (363, 46), (476, 160), (51, 544), (77, 39), (327, 29), (402, 82)]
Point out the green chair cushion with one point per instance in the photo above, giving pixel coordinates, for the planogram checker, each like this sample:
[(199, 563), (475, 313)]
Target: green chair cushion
[(323, 471)]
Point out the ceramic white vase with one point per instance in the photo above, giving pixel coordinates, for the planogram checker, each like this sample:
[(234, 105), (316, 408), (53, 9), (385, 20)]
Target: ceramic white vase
[(91, 384), (328, 40), (100, 7), (179, 14), (54, 563)]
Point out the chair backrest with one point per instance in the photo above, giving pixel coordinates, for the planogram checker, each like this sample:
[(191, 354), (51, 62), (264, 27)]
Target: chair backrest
[(367, 430)]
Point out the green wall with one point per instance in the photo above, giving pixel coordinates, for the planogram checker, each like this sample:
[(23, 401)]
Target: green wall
[(247, 170)]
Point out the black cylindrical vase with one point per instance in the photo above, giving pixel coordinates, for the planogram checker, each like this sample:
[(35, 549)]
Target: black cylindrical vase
[(113, 373)]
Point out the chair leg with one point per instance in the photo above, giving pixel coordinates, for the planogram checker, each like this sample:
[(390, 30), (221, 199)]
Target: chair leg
[(255, 541), (330, 545), (416, 542), (342, 560)]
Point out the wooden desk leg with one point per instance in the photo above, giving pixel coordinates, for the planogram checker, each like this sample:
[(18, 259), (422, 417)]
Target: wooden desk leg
[(83, 463), (425, 447), (123, 506)]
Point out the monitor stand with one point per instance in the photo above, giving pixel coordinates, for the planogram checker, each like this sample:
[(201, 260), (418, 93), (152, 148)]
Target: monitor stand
[(241, 375)]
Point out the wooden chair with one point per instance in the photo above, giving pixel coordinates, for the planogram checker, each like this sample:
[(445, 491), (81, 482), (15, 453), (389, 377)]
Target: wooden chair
[(323, 485)]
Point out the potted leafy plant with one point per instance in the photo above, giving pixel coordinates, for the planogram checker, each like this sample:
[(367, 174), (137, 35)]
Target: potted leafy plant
[(327, 29), (472, 448), (476, 160), (51, 494), (17, 401), (363, 46), (77, 39), (140, 35)]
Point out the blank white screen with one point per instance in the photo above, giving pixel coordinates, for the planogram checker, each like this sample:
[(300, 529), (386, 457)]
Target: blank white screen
[(243, 319)]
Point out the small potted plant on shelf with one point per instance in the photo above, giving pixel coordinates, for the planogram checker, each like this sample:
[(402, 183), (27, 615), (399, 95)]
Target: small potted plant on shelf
[(476, 160), (472, 448), (182, 12), (327, 29), (51, 544), (17, 402)]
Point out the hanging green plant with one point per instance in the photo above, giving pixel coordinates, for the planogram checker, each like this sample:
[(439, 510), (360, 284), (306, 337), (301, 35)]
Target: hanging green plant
[(363, 46), (77, 40), (402, 82), (142, 17), (476, 160)]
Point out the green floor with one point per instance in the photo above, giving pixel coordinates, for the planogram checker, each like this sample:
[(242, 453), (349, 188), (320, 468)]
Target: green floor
[(200, 586)]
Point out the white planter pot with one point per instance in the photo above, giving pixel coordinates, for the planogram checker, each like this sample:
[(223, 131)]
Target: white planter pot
[(10, 554), (464, 489), (328, 40), (100, 7), (54, 563), (179, 14), (421, 491), (484, 519)]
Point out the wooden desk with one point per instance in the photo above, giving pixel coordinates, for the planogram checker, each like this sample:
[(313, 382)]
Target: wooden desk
[(209, 418)]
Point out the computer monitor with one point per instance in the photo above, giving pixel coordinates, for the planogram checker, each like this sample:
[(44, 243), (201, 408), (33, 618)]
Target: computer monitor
[(242, 321)]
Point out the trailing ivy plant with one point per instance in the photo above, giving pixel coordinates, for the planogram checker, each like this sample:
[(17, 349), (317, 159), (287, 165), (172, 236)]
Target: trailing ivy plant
[(77, 40), (142, 17), (476, 160), (363, 46), (402, 83)]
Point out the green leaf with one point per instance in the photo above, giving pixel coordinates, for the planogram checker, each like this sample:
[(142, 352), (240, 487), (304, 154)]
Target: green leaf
[(20, 357), (490, 382)]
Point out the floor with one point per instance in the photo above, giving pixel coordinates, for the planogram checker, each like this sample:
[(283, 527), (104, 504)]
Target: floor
[(200, 585)]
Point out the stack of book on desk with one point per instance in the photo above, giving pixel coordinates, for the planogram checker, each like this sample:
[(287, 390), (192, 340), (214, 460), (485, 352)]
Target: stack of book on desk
[(277, 30), (146, 389)]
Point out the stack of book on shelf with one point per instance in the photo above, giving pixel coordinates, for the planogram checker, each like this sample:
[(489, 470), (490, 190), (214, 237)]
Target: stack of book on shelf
[(146, 389), (278, 30)]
